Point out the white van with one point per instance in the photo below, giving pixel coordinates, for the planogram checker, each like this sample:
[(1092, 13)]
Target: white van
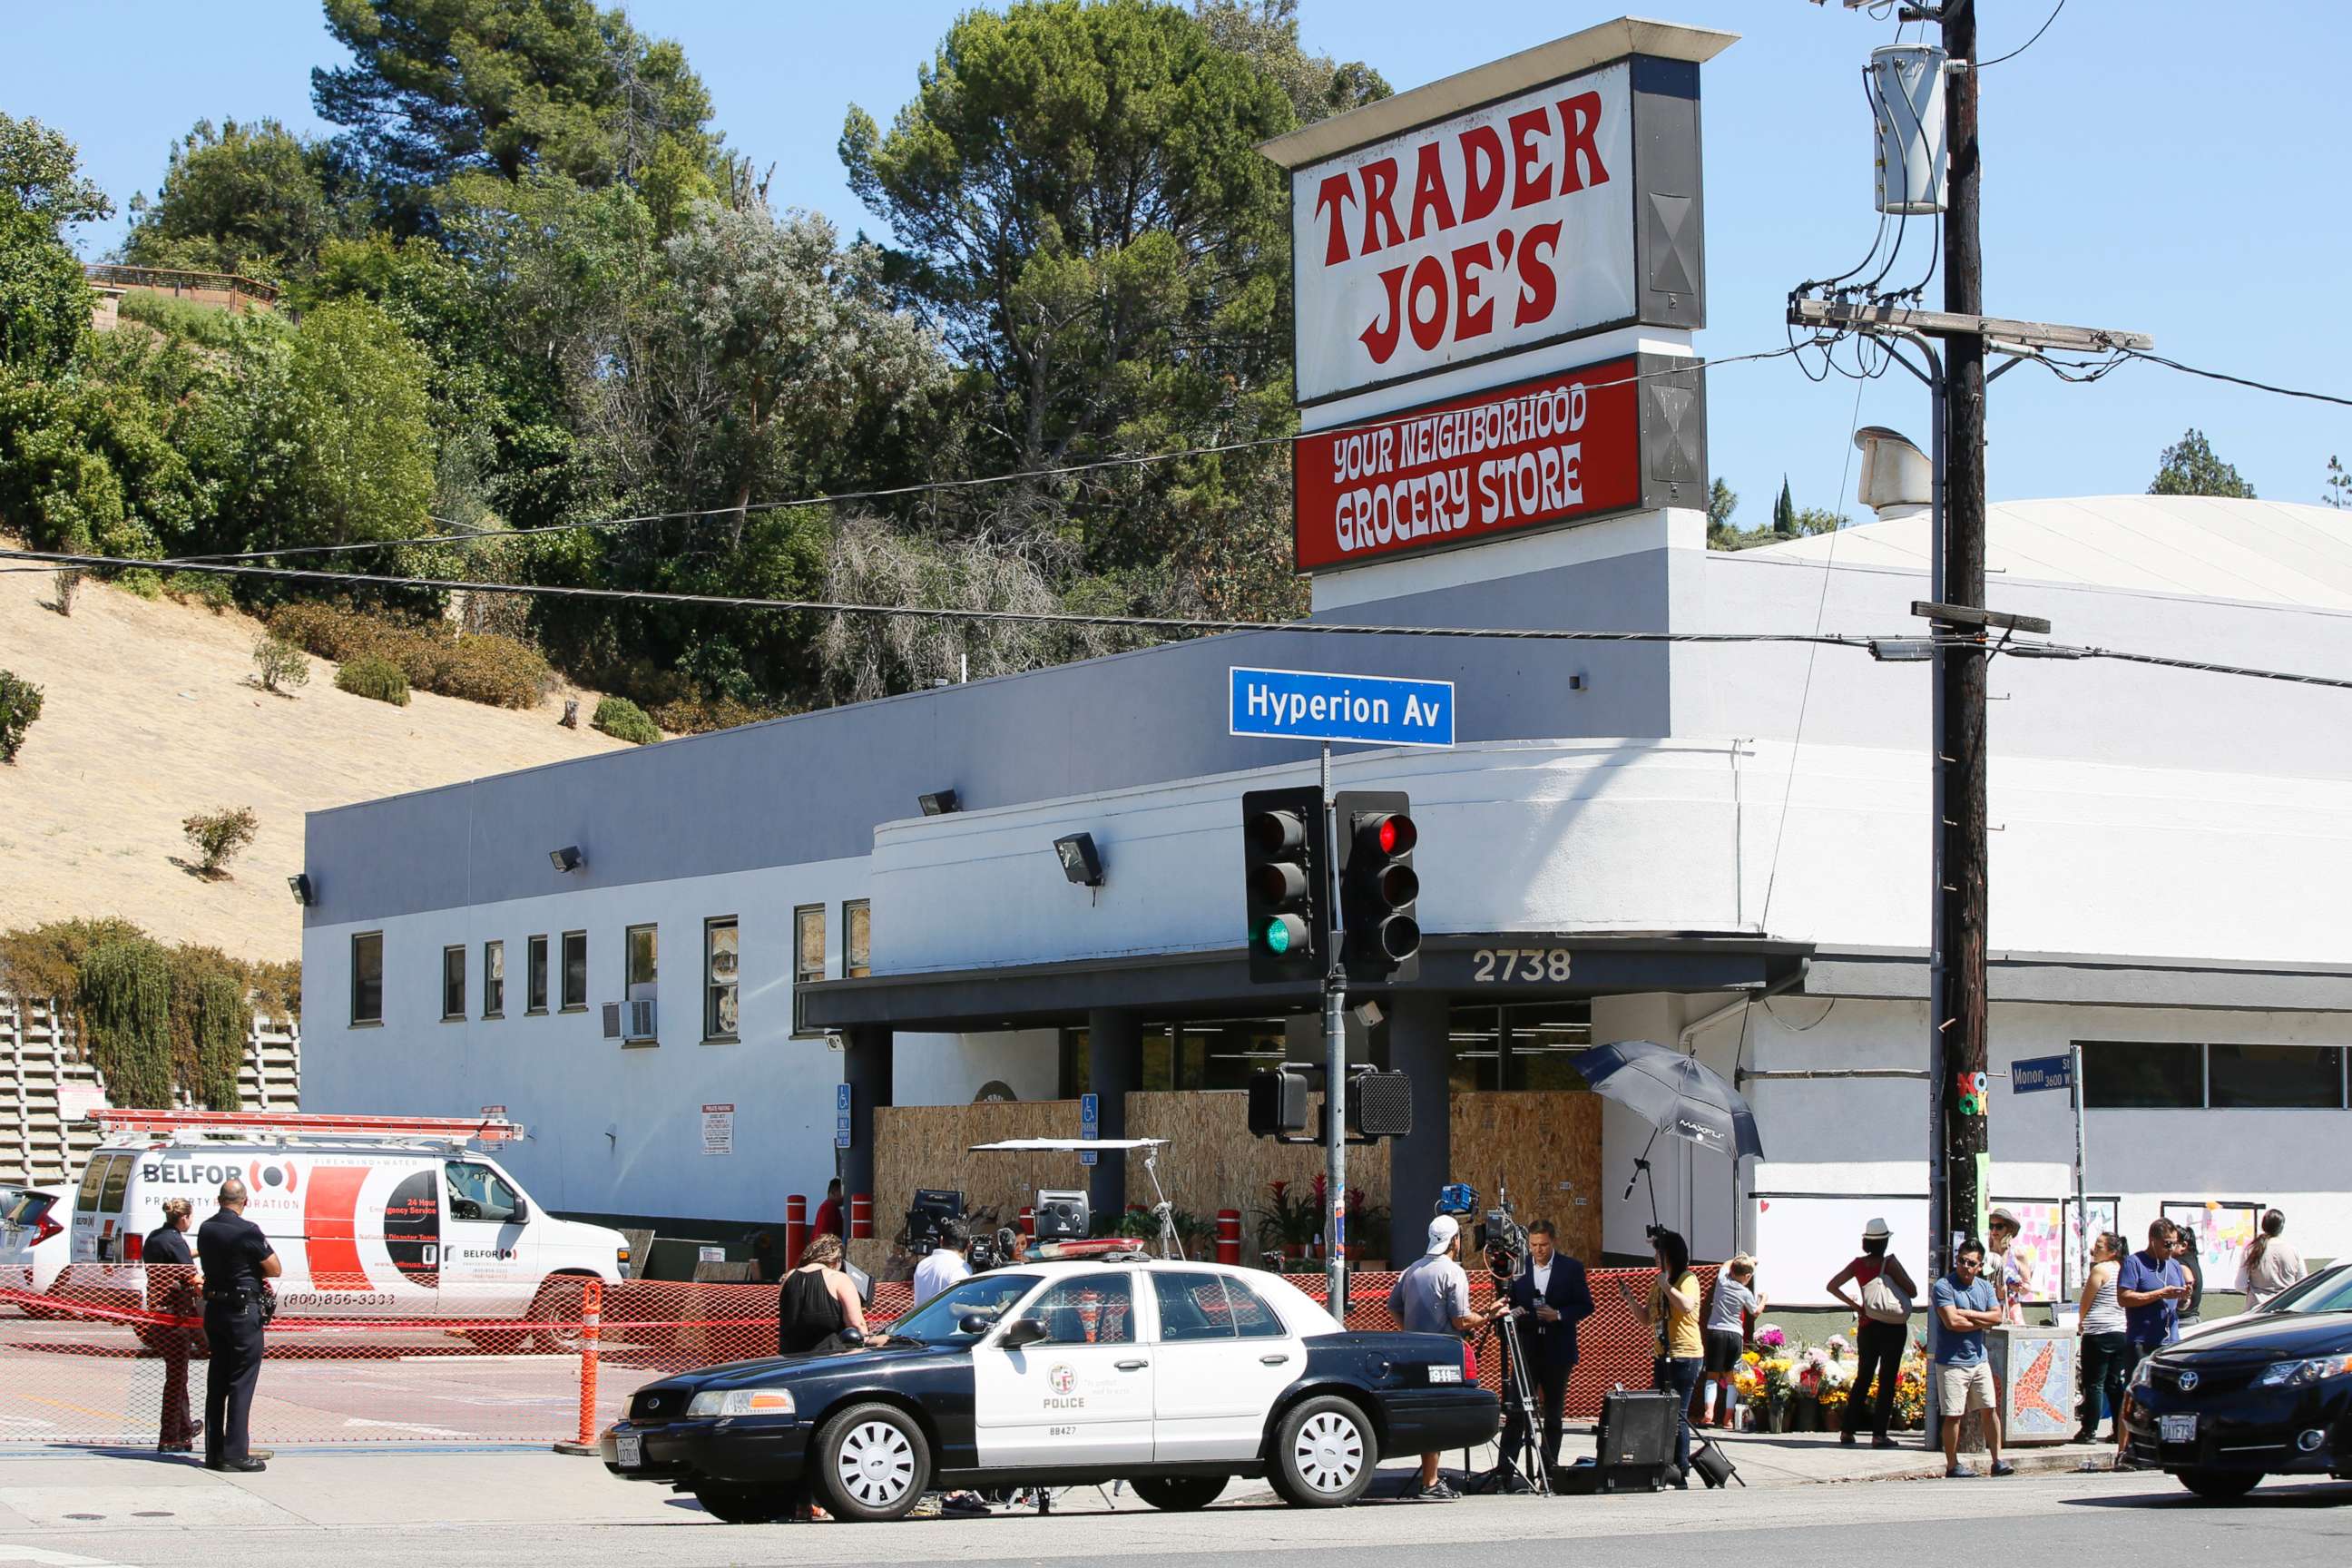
[(370, 1216)]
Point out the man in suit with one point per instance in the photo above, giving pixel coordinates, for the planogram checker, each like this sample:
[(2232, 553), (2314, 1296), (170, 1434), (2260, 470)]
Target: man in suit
[(1549, 1298)]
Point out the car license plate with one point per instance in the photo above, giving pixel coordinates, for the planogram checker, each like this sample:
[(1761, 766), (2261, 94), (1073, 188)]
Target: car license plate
[(631, 1448), (2178, 1429)]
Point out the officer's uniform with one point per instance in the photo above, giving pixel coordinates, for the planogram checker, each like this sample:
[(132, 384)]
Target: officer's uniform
[(232, 1249), (172, 1288)]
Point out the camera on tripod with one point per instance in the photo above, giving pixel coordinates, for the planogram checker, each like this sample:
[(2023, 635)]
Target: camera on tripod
[(1498, 1232), (990, 1250)]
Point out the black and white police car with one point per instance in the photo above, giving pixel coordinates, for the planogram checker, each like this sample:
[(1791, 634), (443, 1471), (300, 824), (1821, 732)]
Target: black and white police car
[(1173, 1376)]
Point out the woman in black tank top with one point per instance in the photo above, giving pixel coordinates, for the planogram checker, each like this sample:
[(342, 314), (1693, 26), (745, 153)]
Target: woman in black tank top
[(813, 1310)]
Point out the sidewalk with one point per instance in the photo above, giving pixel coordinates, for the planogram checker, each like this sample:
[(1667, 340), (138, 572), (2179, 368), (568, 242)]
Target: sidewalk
[(354, 1484)]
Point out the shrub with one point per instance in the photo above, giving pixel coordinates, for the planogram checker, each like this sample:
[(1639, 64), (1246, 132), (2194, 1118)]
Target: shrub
[(220, 836), (209, 589), (69, 585), (366, 675), (483, 668), (278, 664), (701, 715), (20, 704), (124, 1003), (208, 325), (624, 721)]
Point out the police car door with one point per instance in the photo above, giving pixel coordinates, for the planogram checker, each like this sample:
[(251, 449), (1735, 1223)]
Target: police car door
[(480, 1239), (1223, 1357), (1082, 1396)]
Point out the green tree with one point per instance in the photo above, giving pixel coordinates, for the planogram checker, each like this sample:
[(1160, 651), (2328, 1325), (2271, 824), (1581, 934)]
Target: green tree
[(1784, 513), (437, 87), (1265, 33), (44, 304), (2188, 468), (2336, 491), (1078, 199), (239, 198)]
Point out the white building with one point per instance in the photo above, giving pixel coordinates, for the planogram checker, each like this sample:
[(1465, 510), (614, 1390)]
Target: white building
[(1717, 843)]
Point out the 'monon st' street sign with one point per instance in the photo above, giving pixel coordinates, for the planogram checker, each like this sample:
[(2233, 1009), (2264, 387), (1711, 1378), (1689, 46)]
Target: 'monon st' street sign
[(2036, 1073), (1370, 709)]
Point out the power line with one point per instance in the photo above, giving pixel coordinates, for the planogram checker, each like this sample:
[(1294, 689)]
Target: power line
[(1131, 460), (1171, 623), (1174, 624), (2236, 380), (2030, 42)]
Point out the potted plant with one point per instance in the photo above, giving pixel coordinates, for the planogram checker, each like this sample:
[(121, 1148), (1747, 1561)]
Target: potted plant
[(1288, 1225)]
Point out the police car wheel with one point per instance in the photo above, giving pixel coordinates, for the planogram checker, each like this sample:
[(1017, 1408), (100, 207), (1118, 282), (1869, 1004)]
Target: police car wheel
[(872, 1463), (1180, 1494), (1324, 1453), (2221, 1486), (741, 1505)]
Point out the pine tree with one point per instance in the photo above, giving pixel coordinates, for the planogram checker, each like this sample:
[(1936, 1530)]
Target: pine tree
[(1784, 513)]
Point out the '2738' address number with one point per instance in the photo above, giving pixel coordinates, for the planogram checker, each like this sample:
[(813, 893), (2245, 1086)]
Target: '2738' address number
[(1491, 965)]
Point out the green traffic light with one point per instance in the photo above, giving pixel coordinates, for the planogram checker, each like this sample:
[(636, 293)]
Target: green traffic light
[(1277, 936)]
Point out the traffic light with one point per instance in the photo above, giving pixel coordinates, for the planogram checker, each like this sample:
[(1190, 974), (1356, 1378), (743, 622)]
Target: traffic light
[(1289, 887), (1277, 1102), (1378, 886)]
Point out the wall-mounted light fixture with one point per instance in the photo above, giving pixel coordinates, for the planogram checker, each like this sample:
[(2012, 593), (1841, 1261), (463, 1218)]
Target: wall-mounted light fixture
[(938, 803), (1081, 861), (305, 891), (567, 858)]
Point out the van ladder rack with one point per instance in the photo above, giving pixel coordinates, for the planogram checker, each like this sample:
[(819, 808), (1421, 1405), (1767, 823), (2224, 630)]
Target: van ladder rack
[(310, 1125)]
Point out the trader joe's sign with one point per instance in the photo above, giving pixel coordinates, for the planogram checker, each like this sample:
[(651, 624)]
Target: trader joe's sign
[(1550, 450), (1503, 227)]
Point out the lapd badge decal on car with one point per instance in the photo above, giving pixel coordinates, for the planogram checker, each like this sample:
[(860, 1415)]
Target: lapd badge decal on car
[(1062, 1378)]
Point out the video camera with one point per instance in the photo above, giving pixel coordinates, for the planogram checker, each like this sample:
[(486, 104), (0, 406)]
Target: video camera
[(1498, 1234), (991, 1249), (933, 1207)]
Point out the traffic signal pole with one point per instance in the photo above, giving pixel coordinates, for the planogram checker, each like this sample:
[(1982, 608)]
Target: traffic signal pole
[(1334, 1079)]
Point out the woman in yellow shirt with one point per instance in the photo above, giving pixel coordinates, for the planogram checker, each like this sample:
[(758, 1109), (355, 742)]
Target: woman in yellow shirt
[(1670, 1308)]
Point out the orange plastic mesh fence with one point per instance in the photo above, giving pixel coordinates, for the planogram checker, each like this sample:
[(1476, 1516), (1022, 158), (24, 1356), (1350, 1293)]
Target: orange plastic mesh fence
[(94, 1360)]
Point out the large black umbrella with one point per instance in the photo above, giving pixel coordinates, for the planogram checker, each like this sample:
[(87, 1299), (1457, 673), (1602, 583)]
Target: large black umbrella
[(1674, 1094)]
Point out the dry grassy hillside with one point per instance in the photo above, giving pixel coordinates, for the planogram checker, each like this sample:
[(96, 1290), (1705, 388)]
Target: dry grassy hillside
[(151, 713)]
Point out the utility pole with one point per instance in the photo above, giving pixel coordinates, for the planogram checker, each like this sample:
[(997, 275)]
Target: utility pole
[(1966, 634), (1960, 1004)]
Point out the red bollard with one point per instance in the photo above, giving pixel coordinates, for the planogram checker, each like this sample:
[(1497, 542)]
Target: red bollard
[(1028, 1222), (795, 1229), (1229, 1236), (861, 1216)]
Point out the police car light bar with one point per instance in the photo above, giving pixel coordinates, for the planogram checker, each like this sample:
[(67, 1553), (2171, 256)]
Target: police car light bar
[(310, 1125)]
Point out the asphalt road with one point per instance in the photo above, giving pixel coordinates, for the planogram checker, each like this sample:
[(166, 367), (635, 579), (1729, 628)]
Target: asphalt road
[(458, 1510)]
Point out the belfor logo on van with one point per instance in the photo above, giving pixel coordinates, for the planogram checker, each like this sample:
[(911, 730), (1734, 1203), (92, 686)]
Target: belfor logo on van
[(265, 1175)]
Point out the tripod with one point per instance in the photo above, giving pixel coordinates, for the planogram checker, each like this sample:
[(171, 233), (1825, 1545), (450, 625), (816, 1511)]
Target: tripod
[(1529, 1461)]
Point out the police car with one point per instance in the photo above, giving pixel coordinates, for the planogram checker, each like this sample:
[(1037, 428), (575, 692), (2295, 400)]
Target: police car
[(1173, 1376)]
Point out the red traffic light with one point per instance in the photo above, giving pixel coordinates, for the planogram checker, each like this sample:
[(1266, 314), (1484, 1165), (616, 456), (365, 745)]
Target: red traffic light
[(1394, 834)]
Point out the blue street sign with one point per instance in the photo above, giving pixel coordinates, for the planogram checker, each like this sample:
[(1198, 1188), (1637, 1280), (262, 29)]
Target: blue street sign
[(841, 1116), (1373, 710), (1090, 1124), (2037, 1073)]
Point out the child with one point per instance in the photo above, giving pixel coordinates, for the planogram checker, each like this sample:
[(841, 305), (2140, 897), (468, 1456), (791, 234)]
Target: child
[(1726, 1333)]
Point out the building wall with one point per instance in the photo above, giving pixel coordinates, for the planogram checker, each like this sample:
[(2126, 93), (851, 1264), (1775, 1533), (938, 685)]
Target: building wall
[(1869, 1136)]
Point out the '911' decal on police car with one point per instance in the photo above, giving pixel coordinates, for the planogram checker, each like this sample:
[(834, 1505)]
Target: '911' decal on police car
[(1445, 1372)]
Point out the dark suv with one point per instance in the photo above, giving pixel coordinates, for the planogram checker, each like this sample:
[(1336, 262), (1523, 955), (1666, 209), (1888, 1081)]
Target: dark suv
[(2268, 1397)]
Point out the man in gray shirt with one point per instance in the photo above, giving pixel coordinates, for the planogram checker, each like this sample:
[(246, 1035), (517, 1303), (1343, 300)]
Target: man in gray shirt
[(1433, 1297)]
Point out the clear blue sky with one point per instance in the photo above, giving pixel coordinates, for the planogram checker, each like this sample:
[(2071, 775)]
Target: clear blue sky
[(2157, 166)]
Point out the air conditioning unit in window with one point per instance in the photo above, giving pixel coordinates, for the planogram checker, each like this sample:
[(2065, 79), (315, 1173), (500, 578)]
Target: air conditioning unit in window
[(642, 1019), (613, 1020)]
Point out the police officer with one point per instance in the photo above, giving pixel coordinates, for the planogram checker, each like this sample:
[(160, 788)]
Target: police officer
[(238, 1262), (171, 1285)]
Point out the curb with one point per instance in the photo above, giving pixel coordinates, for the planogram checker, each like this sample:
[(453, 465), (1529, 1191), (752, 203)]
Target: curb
[(2100, 1463)]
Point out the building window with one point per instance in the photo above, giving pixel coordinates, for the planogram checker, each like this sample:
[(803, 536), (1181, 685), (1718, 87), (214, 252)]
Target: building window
[(494, 980), (718, 979), (2274, 1076), (1532, 1047), (2143, 1075), (575, 972), (857, 937), (808, 957), (808, 942), (642, 948), (453, 983), (535, 996), (367, 977)]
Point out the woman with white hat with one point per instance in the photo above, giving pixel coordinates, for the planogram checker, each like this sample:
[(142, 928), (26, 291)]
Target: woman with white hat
[(1882, 1333)]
